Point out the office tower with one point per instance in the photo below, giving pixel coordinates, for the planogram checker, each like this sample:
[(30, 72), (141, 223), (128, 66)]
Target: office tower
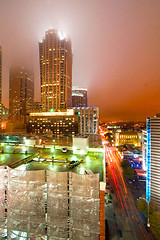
[(144, 149), (5, 112), (37, 107), (21, 94), (62, 123), (87, 119), (69, 122), (55, 71), (153, 159), (0, 85), (79, 97)]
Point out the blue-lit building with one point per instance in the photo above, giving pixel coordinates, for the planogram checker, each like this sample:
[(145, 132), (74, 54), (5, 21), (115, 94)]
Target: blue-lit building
[(153, 159), (144, 149)]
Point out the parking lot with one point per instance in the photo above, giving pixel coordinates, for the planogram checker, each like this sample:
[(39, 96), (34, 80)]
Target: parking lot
[(60, 163)]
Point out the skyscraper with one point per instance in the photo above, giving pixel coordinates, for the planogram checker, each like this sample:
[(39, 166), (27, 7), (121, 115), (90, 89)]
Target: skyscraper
[(153, 159), (0, 85), (79, 97), (21, 94), (55, 71)]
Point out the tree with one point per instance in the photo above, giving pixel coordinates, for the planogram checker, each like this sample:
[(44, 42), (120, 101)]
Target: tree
[(127, 169), (128, 172), (142, 206), (154, 217), (110, 196), (125, 164)]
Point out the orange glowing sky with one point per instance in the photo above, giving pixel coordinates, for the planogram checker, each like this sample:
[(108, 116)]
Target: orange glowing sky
[(116, 49)]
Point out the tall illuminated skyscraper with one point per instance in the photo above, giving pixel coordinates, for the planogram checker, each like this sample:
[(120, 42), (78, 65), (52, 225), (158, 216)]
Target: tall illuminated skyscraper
[(0, 85), (153, 159), (55, 71), (21, 94)]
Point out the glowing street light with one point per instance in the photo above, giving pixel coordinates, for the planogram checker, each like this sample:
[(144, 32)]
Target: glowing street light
[(52, 151), (87, 158), (82, 152)]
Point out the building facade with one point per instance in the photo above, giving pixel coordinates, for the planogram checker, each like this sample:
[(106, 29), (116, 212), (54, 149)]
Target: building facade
[(69, 122), (21, 94), (144, 150), (61, 123), (153, 159), (0, 85), (37, 107), (79, 97), (5, 113), (128, 137), (87, 119), (55, 71), (61, 205)]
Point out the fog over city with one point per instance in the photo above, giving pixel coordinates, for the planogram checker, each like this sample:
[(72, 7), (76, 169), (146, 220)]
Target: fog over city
[(116, 49)]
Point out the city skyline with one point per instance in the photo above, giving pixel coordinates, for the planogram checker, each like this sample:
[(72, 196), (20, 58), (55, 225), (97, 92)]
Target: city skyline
[(117, 63)]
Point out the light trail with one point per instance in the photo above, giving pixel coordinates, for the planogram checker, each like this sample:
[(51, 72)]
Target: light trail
[(115, 168), (121, 176), (115, 180)]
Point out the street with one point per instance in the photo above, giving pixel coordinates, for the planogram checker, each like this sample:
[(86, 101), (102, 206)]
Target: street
[(124, 220)]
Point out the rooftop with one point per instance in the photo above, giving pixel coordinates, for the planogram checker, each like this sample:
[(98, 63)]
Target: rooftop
[(53, 158)]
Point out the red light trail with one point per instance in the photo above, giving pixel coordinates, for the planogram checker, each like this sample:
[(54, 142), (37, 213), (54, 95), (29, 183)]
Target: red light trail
[(113, 161)]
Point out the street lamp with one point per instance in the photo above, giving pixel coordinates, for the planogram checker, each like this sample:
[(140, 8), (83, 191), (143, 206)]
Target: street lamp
[(148, 223), (52, 150)]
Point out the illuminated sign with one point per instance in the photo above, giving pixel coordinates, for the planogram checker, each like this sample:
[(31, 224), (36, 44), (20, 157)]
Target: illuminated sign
[(70, 112)]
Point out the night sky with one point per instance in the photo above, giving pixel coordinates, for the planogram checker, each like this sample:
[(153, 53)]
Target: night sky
[(116, 49)]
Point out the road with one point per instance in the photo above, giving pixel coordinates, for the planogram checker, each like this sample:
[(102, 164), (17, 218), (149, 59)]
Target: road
[(124, 219)]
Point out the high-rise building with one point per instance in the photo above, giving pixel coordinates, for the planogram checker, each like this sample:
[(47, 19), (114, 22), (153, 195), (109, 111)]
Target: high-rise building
[(37, 107), (69, 122), (144, 149), (21, 94), (55, 71), (5, 113), (0, 85), (88, 119), (153, 159), (79, 97)]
